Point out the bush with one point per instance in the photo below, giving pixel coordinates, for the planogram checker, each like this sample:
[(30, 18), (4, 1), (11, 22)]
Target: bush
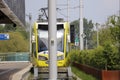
[(72, 57), (111, 56), (106, 57), (98, 60)]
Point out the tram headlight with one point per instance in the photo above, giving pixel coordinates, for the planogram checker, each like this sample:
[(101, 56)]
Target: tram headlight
[(42, 58), (60, 57)]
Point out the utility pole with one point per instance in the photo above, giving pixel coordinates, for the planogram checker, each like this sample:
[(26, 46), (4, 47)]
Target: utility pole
[(81, 35), (30, 43), (30, 22), (30, 32), (119, 8), (52, 39), (67, 10), (97, 34)]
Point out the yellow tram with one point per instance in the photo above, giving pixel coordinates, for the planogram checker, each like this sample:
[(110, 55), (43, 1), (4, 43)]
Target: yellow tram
[(40, 43)]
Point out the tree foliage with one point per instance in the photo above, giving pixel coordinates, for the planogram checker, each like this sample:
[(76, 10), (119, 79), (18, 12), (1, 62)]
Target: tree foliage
[(115, 29), (105, 36), (103, 57), (88, 29), (18, 41), (107, 55)]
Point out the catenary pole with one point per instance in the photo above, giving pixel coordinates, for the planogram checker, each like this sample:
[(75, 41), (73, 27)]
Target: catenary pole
[(97, 36), (52, 39), (30, 28), (81, 26), (97, 25), (30, 32), (67, 10), (119, 8)]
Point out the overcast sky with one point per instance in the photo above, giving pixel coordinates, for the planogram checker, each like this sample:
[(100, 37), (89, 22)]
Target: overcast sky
[(95, 10)]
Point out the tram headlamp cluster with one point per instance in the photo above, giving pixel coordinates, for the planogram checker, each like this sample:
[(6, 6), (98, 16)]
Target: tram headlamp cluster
[(42, 58), (60, 57), (45, 58)]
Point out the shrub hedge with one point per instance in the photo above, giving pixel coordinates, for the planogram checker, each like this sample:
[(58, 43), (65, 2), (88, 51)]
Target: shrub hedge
[(105, 58)]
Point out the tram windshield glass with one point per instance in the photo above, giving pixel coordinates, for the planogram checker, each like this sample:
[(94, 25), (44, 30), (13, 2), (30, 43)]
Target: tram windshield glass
[(43, 37)]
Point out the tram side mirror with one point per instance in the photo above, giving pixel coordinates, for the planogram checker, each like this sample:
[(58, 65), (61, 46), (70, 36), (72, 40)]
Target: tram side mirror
[(72, 33)]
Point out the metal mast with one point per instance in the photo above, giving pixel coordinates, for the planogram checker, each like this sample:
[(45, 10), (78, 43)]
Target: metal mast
[(119, 8), (97, 25), (67, 10), (30, 22), (81, 26), (52, 40)]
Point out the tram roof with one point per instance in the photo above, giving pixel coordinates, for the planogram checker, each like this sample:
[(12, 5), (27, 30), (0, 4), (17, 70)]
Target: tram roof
[(47, 22)]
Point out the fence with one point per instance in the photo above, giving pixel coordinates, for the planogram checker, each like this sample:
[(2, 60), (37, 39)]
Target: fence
[(111, 75), (99, 74), (15, 56)]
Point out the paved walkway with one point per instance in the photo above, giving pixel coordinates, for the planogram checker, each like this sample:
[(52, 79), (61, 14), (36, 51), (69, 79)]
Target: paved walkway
[(13, 70), (19, 75)]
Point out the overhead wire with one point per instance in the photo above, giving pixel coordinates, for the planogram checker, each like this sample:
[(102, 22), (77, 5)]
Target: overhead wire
[(61, 4), (62, 14), (70, 8)]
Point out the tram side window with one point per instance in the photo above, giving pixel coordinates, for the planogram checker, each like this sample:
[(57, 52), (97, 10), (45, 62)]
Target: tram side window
[(60, 44)]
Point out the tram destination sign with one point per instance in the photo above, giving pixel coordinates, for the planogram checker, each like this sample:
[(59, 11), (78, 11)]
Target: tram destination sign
[(4, 36)]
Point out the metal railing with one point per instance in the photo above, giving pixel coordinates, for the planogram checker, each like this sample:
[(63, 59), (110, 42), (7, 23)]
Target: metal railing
[(15, 56)]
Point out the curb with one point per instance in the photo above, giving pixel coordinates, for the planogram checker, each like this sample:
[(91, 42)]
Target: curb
[(76, 77), (20, 74)]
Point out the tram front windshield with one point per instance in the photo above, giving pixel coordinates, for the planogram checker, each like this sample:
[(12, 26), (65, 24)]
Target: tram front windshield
[(43, 37)]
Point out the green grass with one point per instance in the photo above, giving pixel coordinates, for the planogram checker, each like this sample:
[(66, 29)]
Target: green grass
[(82, 75)]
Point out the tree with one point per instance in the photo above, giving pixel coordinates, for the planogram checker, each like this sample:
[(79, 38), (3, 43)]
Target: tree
[(105, 36), (110, 33), (114, 24), (1, 28), (9, 27), (110, 36), (16, 43), (88, 29)]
